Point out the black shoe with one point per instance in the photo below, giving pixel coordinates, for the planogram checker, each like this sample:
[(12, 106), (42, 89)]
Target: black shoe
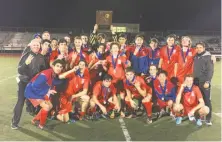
[(14, 127)]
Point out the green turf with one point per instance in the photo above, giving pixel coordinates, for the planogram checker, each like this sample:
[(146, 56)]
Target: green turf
[(163, 129)]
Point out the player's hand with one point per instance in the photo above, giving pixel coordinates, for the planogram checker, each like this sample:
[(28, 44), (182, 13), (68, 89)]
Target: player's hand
[(29, 59), (191, 113), (75, 68), (112, 29), (95, 28), (51, 92), (183, 85), (117, 107), (74, 56), (103, 109), (206, 85), (136, 50), (60, 57)]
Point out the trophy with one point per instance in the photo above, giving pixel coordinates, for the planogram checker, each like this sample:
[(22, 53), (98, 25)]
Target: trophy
[(104, 19)]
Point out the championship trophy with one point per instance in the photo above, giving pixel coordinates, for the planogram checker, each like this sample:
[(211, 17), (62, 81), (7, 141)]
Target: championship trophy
[(104, 20)]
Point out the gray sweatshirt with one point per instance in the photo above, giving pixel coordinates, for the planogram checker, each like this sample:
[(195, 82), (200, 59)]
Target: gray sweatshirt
[(203, 67)]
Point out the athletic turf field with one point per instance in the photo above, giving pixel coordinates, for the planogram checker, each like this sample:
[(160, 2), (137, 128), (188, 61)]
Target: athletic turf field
[(164, 129)]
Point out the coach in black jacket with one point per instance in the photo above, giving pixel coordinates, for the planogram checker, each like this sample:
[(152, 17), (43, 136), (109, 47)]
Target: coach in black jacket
[(203, 73), (30, 64)]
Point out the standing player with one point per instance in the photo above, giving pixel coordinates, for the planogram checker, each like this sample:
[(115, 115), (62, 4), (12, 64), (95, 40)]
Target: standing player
[(138, 56), (165, 92), (104, 96), (39, 90), (136, 88), (189, 102), (77, 54), (115, 66), (169, 57), (46, 35), (154, 52)]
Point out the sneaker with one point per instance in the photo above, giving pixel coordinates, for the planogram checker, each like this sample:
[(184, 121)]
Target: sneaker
[(199, 123), (178, 120), (14, 127), (149, 120), (208, 123)]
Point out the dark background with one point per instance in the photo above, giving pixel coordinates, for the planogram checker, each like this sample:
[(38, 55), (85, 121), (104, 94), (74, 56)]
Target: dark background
[(150, 14)]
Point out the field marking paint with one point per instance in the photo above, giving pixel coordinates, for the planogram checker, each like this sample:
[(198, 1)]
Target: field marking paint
[(124, 129), (2, 80), (218, 114)]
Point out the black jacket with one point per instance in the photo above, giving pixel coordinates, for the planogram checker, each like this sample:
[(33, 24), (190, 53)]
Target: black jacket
[(27, 72), (203, 67)]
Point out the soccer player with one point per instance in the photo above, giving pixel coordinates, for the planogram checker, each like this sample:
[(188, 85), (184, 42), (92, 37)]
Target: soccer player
[(185, 59), (45, 51), (165, 92), (39, 90), (169, 57), (116, 65), (122, 38), (54, 44), (61, 53), (68, 40), (189, 102), (138, 56), (154, 52), (97, 64), (77, 54), (77, 88), (46, 35), (86, 47), (104, 96), (136, 88), (203, 73)]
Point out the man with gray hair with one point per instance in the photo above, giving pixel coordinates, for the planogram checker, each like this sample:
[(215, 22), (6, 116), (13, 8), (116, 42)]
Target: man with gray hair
[(30, 64)]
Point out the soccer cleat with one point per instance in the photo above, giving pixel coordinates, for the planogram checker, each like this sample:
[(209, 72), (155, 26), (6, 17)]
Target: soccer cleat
[(149, 120), (36, 123), (161, 113), (199, 123), (208, 123), (14, 127), (178, 120)]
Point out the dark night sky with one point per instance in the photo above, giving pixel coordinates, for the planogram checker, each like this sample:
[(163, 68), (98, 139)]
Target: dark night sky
[(151, 14)]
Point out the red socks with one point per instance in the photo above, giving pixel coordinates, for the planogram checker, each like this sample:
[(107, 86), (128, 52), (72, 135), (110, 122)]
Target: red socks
[(148, 107), (43, 117)]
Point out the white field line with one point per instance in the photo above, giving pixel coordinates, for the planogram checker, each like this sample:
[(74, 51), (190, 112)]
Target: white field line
[(10, 77), (125, 131)]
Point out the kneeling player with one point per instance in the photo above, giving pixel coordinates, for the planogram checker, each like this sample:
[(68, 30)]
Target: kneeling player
[(190, 102), (165, 92), (39, 90), (136, 88), (104, 96), (77, 89)]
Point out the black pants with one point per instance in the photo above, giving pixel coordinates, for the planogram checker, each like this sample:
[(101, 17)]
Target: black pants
[(20, 103), (207, 100)]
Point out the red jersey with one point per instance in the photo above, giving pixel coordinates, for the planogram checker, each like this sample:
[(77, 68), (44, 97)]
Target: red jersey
[(185, 63), (54, 55), (80, 56), (77, 83), (190, 98), (116, 67), (132, 88), (103, 93), (170, 58), (95, 72)]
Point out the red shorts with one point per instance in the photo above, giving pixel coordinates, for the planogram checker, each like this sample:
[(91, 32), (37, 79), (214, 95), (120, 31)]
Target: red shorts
[(109, 107), (162, 104), (187, 109), (65, 105), (36, 102)]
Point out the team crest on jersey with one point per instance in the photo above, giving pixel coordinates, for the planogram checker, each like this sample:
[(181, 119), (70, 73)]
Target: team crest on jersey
[(174, 51)]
